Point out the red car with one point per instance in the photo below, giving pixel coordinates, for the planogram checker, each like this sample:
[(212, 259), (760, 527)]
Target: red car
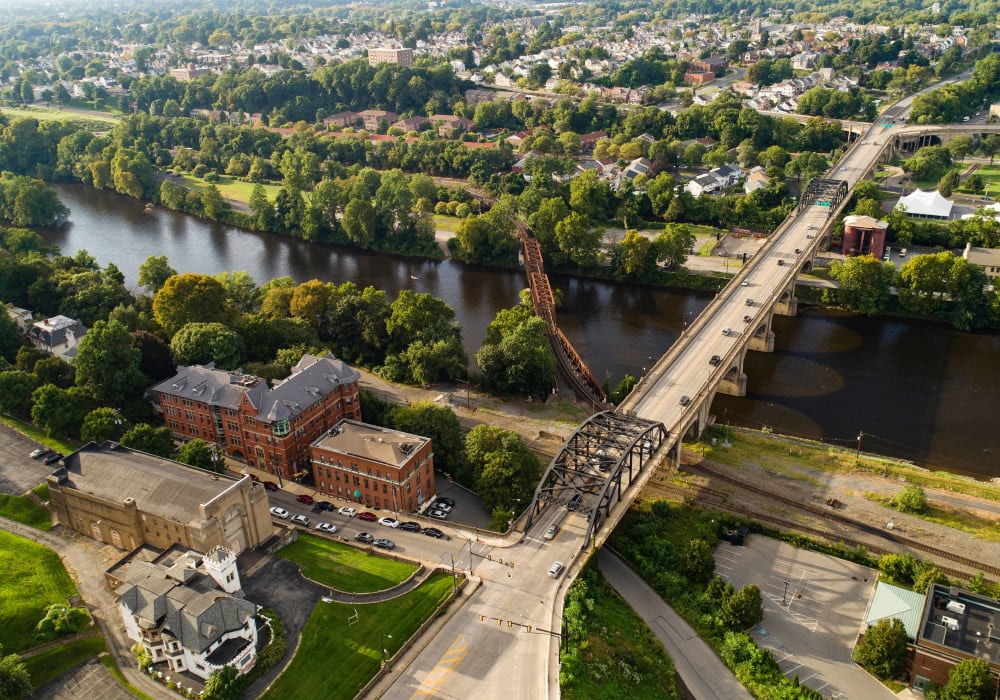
[(271, 486), (370, 517), (304, 498)]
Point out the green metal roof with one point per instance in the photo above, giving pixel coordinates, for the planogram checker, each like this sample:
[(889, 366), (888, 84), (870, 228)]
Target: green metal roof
[(893, 601)]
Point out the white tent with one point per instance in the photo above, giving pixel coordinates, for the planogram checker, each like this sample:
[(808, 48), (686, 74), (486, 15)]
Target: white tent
[(925, 205)]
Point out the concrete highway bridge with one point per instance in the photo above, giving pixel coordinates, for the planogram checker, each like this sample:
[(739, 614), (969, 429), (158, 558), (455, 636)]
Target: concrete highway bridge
[(504, 640)]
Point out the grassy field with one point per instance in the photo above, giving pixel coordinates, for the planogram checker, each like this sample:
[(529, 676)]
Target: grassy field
[(620, 656), (49, 664), (34, 578), (782, 454), (230, 187), (446, 223), (990, 175), (43, 114), (949, 517), (344, 567), (26, 511), (355, 649)]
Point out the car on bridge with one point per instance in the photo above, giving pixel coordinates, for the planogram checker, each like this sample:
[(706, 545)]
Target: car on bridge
[(685, 400), (749, 301), (715, 360), (747, 319), (780, 261), (727, 330)]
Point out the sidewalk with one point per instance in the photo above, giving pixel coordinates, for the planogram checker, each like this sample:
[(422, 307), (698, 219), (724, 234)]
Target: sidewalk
[(699, 669)]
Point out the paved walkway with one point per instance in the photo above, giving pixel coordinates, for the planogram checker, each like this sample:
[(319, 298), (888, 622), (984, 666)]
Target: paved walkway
[(698, 667), (86, 564)]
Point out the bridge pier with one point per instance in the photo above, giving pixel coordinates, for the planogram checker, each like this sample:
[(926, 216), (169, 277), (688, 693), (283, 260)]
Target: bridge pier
[(763, 338), (734, 383)]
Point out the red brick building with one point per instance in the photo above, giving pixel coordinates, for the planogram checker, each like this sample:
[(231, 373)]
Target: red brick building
[(269, 428), (376, 467)]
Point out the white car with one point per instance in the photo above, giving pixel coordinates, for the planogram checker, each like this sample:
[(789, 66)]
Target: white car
[(326, 527), (556, 569), (348, 511), (279, 512), (301, 520), (388, 522), (551, 532), (441, 505)]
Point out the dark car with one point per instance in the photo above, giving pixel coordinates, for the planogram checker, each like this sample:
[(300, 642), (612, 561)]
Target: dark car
[(574, 502), (433, 532), (749, 302), (736, 537), (781, 262), (304, 498), (747, 319), (685, 400), (324, 506), (383, 543), (368, 516), (271, 486), (450, 502), (365, 537), (410, 526), (715, 360), (52, 458)]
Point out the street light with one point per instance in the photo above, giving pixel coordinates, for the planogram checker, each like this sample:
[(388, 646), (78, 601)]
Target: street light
[(784, 593), (385, 652)]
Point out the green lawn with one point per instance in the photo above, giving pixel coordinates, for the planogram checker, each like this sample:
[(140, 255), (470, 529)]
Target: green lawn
[(24, 510), (344, 567), (33, 579), (49, 664), (335, 659), (44, 114), (619, 652), (446, 223), (230, 187)]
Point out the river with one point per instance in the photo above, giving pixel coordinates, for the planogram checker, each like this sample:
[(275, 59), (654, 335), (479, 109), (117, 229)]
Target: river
[(916, 390)]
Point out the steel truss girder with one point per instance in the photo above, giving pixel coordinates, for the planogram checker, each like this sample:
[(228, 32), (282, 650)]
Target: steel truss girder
[(593, 461)]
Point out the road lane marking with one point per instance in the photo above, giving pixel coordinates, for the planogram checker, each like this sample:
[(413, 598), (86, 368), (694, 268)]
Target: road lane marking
[(444, 668)]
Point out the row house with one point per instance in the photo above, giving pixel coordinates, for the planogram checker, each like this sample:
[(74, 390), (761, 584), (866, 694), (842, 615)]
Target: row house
[(267, 428), (377, 119), (374, 466)]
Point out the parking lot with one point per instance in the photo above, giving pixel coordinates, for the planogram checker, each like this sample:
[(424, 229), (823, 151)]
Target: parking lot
[(814, 607), (18, 471)]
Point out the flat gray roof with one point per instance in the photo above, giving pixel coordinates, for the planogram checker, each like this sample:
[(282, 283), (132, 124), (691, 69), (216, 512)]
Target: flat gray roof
[(159, 486), (963, 621)]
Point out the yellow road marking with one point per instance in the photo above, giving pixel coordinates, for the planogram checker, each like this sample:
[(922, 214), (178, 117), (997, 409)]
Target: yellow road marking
[(440, 673)]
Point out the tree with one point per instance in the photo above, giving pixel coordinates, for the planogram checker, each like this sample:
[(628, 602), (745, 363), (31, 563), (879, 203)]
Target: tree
[(11, 337), (16, 389), (225, 684), (634, 258), (970, 679), (882, 650), (107, 364), (743, 609), (698, 564), (155, 361), (359, 222), (578, 240), (201, 343), (911, 499), (198, 453), (674, 245), (899, 568), (865, 284), (949, 183), (59, 411), (146, 438), (241, 290), (154, 272), (60, 619), (440, 424), (190, 298), (505, 470), (102, 424), (15, 681), (516, 356)]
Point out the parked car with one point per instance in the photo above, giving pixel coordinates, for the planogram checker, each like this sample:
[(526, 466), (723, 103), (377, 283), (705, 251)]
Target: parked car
[(365, 537), (433, 532), (383, 543), (388, 522), (270, 486), (301, 520), (436, 513), (441, 505), (52, 458), (556, 569), (304, 498), (685, 400), (279, 512), (39, 453), (368, 516), (348, 511), (323, 506), (410, 526), (450, 502), (326, 527)]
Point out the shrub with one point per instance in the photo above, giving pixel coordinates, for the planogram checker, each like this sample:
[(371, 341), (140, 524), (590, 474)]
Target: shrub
[(911, 499)]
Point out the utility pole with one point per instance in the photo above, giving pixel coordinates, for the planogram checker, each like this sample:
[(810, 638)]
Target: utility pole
[(857, 457)]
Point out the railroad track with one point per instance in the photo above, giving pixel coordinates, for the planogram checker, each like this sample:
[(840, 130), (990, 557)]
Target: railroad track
[(721, 500)]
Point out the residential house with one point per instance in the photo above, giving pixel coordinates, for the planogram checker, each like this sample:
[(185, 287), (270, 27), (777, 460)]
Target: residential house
[(589, 141), (22, 317), (268, 428), (374, 466), (57, 335), (342, 119), (188, 612), (986, 258), (448, 124), (411, 123), (377, 119), (757, 179)]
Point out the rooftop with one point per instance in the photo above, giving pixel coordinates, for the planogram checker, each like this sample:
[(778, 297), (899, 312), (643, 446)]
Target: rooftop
[(159, 486), (963, 622), (893, 601), (371, 442)]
